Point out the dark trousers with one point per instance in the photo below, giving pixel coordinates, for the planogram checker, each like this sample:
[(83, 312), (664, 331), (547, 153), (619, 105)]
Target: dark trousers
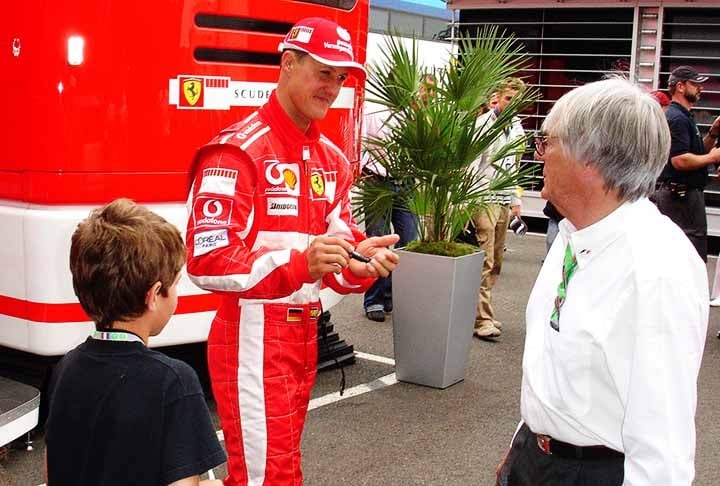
[(404, 225), (527, 465), (688, 212)]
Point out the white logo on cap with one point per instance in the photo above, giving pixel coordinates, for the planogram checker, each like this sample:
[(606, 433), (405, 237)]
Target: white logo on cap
[(343, 34), (341, 46)]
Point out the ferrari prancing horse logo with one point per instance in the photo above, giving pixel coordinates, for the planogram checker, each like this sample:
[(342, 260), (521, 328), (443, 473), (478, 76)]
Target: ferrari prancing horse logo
[(192, 90), (318, 184)]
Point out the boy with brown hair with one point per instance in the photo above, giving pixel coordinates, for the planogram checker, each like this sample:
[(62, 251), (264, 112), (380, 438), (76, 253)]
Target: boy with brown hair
[(120, 413)]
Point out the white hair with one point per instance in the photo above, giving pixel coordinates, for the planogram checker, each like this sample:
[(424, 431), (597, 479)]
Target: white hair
[(617, 127)]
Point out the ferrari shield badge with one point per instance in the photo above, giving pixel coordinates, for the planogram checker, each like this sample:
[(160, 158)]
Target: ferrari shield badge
[(318, 184), (192, 90)]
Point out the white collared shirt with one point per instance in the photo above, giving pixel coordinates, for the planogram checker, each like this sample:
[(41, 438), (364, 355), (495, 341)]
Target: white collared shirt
[(513, 132), (622, 370), (375, 124)]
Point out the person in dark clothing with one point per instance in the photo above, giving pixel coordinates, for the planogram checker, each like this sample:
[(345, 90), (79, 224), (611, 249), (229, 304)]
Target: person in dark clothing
[(554, 218), (679, 192), (120, 413), (378, 298)]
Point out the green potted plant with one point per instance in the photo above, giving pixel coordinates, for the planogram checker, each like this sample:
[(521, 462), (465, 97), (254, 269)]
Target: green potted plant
[(431, 143)]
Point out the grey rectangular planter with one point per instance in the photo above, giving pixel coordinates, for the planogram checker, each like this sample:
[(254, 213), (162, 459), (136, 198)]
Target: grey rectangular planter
[(434, 302)]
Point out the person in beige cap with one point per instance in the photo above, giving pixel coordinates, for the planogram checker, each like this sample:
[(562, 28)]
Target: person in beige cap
[(270, 224)]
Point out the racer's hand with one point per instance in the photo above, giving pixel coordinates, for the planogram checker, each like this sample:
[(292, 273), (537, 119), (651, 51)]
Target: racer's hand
[(327, 254), (382, 259)]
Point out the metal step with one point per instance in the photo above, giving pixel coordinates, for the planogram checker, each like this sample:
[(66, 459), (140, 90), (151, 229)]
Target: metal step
[(19, 409)]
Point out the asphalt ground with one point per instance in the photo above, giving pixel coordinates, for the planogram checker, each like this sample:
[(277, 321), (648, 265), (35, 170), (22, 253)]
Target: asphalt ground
[(386, 433)]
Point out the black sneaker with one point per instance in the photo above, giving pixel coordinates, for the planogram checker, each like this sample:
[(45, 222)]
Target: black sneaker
[(388, 305), (375, 315)]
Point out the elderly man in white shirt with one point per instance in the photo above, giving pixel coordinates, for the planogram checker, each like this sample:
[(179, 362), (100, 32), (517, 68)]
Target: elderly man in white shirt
[(617, 319)]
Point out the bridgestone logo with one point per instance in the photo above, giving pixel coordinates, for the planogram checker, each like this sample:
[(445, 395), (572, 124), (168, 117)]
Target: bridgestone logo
[(282, 206)]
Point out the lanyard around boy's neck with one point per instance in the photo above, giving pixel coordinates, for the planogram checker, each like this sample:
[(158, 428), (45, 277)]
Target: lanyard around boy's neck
[(116, 336)]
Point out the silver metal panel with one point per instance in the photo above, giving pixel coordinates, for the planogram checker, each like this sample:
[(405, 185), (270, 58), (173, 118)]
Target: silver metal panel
[(19, 404)]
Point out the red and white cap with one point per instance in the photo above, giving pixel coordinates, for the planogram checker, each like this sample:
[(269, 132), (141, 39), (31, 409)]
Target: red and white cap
[(325, 41)]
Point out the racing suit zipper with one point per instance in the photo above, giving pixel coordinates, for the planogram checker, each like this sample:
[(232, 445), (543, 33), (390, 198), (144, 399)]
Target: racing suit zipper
[(308, 188)]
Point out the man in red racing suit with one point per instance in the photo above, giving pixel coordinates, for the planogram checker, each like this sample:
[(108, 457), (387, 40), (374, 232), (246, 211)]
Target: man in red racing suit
[(270, 222)]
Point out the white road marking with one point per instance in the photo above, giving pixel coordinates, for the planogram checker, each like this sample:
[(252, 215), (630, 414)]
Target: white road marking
[(360, 389), (374, 357)]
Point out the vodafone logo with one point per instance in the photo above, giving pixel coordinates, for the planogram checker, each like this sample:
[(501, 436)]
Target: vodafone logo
[(212, 208), (212, 211)]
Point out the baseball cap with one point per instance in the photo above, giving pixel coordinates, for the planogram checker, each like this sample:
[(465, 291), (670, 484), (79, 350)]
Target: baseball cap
[(325, 41), (685, 73)]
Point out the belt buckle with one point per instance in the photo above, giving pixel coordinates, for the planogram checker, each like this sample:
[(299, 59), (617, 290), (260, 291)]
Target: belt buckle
[(543, 442)]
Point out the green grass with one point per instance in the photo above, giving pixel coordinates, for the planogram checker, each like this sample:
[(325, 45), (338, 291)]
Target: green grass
[(442, 248)]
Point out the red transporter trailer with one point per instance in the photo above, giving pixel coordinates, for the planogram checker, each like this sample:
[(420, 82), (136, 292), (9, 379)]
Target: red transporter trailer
[(107, 99)]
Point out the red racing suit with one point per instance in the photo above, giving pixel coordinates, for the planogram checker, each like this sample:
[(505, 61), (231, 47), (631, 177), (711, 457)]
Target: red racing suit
[(261, 191)]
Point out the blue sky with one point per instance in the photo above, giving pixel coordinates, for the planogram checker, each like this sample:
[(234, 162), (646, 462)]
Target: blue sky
[(432, 8), (429, 3)]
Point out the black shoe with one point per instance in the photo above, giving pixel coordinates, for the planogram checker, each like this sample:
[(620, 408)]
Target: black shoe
[(375, 315), (387, 305)]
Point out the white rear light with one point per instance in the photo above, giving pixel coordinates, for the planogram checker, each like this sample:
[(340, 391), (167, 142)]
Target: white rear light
[(75, 50)]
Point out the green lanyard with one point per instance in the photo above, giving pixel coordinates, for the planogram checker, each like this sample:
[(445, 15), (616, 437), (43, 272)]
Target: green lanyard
[(116, 336), (569, 267)]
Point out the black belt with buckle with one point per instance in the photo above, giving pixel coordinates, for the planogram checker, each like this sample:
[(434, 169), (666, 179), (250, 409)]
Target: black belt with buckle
[(676, 186), (677, 190), (554, 447)]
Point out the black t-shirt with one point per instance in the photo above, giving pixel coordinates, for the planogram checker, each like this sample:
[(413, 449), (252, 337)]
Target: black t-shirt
[(122, 414), (685, 138)]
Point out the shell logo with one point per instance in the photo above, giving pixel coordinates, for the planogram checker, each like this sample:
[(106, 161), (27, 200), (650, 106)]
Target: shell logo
[(290, 178), (284, 178)]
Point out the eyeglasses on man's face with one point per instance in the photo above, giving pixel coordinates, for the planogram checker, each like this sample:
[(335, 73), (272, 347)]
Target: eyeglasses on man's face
[(541, 142)]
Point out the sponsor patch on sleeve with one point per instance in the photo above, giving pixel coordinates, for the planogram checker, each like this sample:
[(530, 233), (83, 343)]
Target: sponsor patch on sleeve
[(282, 206), (208, 241), (216, 180), (212, 211)]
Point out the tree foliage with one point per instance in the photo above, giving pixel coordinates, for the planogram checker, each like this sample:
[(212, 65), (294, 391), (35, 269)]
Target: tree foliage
[(432, 140)]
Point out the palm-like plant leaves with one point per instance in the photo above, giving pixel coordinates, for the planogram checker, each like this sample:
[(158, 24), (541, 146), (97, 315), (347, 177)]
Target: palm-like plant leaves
[(431, 142)]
